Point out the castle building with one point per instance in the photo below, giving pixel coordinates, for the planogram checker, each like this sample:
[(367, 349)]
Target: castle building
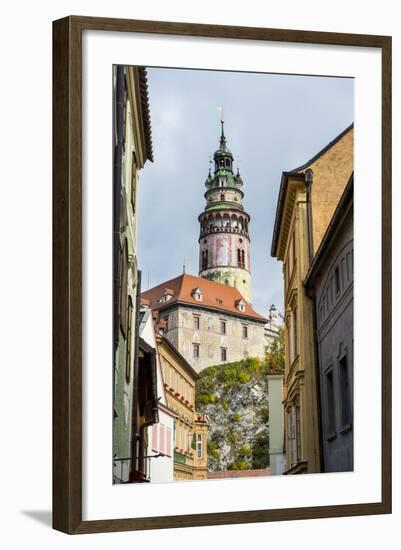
[(209, 323), (209, 318), (224, 244)]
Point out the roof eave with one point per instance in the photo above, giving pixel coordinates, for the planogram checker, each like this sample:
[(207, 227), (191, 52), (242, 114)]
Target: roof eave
[(280, 208)]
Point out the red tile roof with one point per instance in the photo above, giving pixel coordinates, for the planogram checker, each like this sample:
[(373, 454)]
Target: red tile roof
[(214, 296)]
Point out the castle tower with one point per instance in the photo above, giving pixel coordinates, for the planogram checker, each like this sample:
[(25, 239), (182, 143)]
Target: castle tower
[(224, 244)]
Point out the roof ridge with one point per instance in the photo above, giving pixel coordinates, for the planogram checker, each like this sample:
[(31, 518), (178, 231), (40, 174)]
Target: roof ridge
[(322, 151)]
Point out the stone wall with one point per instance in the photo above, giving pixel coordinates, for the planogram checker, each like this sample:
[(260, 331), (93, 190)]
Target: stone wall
[(183, 334)]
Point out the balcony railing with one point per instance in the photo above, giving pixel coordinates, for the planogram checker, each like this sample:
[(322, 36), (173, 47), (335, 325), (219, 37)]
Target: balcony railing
[(125, 472)]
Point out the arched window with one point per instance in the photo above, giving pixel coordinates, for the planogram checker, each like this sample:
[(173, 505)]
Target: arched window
[(222, 197), (204, 259), (240, 258)]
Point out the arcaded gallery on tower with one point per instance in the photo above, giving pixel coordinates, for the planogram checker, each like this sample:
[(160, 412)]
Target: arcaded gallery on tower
[(209, 318)]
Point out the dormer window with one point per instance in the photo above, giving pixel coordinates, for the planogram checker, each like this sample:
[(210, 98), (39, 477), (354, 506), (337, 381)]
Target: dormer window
[(240, 305), (167, 295), (197, 294)]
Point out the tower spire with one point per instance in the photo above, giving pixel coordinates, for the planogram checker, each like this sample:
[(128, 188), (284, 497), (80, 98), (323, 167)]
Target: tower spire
[(222, 137), (224, 244)]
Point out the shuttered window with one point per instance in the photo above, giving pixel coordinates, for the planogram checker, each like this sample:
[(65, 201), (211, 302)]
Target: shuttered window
[(124, 289)]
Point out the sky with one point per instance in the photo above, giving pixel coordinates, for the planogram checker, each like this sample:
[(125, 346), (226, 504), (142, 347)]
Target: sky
[(273, 123)]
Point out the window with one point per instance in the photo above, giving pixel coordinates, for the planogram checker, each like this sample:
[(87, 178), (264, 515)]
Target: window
[(348, 264), (345, 393), (241, 258), (295, 332), (294, 257), (292, 441), (244, 331), (199, 446), (222, 197), (331, 413), (197, 294), (165, 319), (196, 322), (128, 357), (289, 341), (222, 327), (124, 288), (162, 441), (223, 354), (195, 351), (337, 280), (168, 441), (204, 259), (133, 181), (155, 428), (298, 431)]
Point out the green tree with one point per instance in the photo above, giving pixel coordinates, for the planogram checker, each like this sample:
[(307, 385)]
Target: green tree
[(274, 353)]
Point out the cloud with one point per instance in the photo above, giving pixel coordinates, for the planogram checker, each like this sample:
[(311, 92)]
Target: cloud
[(272, 122)]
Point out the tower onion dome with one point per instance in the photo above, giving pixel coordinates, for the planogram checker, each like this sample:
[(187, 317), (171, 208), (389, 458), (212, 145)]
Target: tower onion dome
[(223, 166)]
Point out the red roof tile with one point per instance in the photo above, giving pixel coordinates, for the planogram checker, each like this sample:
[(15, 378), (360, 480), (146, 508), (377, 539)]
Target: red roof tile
[(214, 295)]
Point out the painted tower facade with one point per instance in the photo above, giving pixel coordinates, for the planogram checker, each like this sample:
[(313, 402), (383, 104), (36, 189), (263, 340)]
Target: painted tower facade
[(224, 244)]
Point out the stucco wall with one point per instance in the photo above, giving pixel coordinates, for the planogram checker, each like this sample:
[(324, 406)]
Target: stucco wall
[(331, 173), (183, 334), (335, 338)]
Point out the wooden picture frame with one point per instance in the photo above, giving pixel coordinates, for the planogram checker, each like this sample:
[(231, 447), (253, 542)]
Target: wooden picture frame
[(67, 274)]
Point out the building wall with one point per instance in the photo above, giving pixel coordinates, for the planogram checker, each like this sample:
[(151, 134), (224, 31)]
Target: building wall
[(123, 396), (132, 162), (301, 405), (161, 440), (335, 343), (160, 434), (180, 394), (331, 173), (183, 334), (276, 424)]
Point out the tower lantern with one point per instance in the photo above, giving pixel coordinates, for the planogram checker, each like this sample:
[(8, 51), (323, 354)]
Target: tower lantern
[(224, 243)]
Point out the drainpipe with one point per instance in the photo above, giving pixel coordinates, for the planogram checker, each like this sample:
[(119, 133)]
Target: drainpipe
[(311, 294), (308, 185)]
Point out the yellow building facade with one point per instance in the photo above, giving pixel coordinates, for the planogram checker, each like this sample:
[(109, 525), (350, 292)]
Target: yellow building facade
[(307, 200), (190, 430)]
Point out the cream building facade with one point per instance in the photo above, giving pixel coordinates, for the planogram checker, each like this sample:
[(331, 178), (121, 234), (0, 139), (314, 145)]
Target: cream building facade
[(132, 148), (190, 428), (307, 201)]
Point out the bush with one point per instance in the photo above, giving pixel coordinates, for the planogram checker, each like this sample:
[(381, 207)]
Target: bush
[(260, 451), (264, 414), (245, 450)]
